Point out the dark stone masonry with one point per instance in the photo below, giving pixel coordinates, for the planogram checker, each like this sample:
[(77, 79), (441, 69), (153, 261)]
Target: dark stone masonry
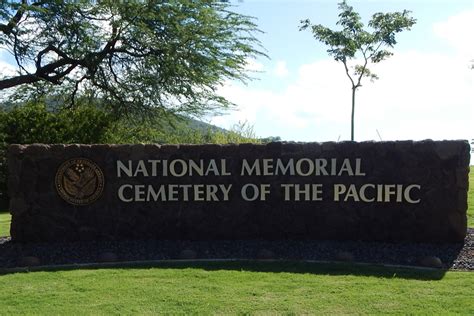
[(374, 191)]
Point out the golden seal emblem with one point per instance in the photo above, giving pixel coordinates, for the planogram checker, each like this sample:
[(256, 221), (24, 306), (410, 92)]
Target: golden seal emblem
[(79, 181)]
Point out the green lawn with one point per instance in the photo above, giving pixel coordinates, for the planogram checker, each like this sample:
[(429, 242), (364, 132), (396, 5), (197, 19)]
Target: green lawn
[(4, 223), (470, 199), (238, 288)]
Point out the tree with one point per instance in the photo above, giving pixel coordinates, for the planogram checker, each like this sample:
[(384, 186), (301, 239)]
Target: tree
[(131, 55), (353, 42)]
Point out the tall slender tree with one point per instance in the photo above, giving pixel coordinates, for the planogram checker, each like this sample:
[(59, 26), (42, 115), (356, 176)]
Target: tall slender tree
[(354, 42)]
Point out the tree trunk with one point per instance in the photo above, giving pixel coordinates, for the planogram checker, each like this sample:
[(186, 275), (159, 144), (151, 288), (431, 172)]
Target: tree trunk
[(353, 110)]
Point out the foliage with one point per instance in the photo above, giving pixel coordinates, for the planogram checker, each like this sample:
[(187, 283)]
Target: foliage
[(270, 139), (353, 42), (132, 55), (239, 288), (35, 123), (86, 124), (181, 131)]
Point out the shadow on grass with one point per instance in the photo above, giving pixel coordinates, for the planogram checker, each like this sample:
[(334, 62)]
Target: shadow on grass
[(265, 266), (297, 267)]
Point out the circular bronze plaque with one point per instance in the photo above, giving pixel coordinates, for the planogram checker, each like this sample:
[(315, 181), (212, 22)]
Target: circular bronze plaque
[(79, 181)]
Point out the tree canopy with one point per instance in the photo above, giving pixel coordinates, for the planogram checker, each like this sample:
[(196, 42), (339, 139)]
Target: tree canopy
[(354, 42), (131, 55)]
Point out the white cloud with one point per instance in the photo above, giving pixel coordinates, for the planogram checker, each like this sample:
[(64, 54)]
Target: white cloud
[(456, 30), (253, 65), (281, 70), (6, 69), (303, 104), (418, 96)]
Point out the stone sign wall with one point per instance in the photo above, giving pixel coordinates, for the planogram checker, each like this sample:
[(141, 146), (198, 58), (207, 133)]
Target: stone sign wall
[(380, 191)]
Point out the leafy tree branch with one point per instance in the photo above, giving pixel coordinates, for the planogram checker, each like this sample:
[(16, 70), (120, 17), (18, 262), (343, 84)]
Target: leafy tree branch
[(132, 55)]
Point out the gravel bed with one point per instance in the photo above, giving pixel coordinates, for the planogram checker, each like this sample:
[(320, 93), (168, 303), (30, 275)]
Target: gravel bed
[(455, 256)]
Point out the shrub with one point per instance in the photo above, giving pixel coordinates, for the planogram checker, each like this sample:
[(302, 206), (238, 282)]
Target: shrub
[(35, 123)]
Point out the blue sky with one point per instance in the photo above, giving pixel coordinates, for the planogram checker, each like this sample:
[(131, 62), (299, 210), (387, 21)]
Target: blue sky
[(426, 90)]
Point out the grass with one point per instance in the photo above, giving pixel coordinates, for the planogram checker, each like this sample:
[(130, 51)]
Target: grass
[(238, 288), (5, 223), (470, 199)]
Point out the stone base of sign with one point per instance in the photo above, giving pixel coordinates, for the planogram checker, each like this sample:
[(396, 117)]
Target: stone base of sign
[(381, 191)]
